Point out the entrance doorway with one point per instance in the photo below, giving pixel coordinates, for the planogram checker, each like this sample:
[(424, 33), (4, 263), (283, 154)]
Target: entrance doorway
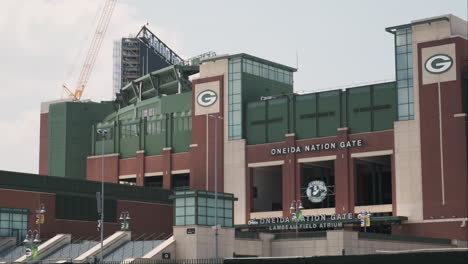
[(267, 190)]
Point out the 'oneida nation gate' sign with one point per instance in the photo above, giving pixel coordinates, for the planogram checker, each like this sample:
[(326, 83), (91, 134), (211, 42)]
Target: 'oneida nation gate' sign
[(317, 147), (302, 222)]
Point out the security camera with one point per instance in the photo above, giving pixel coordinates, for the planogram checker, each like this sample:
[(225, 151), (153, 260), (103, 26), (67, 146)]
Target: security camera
[(99, 131)]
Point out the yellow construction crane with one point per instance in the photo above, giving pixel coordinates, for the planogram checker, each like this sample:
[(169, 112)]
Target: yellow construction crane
[(93, 51)]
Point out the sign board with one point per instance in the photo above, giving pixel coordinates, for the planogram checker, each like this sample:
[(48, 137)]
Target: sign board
[(438, 64), (207, 98), (303, 222), (190, 231), (317, 191), (39, 219), (317, 147)]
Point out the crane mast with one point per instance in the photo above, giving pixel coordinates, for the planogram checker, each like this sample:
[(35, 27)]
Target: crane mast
[(93, 51)]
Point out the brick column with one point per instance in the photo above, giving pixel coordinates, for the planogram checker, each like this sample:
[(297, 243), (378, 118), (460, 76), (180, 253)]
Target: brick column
[(289, 175), (167, 181), (344, 182), (140, 168)]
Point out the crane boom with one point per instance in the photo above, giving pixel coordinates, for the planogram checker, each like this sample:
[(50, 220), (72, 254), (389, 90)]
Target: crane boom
[(93, 50)]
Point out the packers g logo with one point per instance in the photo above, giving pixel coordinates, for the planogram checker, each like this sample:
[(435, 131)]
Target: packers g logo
[(207, 98), (438, 63)]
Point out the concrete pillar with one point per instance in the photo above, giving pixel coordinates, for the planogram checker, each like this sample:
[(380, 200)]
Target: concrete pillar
[(200, 244), (167, 181), (266, 238)]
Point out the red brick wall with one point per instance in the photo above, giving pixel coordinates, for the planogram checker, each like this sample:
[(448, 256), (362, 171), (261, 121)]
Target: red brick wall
[(344, 169), (149, 218), (454, 140), (111, 168)]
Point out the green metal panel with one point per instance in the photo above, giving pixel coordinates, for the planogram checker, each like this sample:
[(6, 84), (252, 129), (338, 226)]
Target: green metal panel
[(181, 132), (156, 139), (328, 113), (106, 145), (305, 116), (57, 139), (129, 138), (176, 103), (359, 109), (70, 134), (255, 122), (384, 102), (277, 119), (362, 109)]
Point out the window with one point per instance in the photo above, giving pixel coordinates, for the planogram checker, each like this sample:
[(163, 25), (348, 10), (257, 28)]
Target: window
[(235, 97), (198, 208), (129, 130), (266, 71), (404, 73), (14, 222)]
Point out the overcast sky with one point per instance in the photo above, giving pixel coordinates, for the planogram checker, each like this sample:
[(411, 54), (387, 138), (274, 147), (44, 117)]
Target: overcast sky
[(43, 43)]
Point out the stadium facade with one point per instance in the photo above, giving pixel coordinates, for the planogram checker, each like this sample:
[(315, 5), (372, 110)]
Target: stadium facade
[(396, 150)]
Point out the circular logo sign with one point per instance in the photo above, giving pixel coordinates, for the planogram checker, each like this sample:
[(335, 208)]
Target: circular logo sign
[(316, 191), (438, 63), (207, 98)]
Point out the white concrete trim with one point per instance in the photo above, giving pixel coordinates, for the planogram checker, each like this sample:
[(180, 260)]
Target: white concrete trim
[(420, 250), (180, 171), (157, 173), (316, 159), (109, 244), (265, 164), (127, 176), (381, 208), (266, 214), (103, 156), (49, 246), (460, 115), (445, 220), (159, 248), (321, 211), (441, 145), (372, 153)]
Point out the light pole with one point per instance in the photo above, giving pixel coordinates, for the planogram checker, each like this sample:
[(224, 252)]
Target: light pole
[(32, 238), (364, 217), (216, 117), (125, 218), (103, 134), (295, 210)]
